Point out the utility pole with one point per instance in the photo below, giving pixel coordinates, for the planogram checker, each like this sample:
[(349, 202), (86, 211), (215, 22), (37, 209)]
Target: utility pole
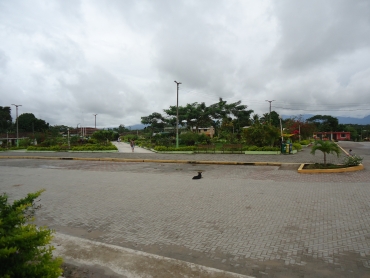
[(177, 115), (95, 120), (16, 105), (270, 108)]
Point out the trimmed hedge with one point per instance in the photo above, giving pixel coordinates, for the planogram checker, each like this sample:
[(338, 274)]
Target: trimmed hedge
[(266, 148), (297, 146), (87, 147), (305, 142), (174, 149)]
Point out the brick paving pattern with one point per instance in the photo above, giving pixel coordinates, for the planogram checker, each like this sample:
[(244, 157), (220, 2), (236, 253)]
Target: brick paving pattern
[(260, 213)]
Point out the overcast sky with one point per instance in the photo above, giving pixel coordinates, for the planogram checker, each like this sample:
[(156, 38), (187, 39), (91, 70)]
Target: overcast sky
[(66, 60)]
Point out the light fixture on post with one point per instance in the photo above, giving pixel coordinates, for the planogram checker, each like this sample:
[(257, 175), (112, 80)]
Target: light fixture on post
[(16, 113), (95, 120), (281, 130), (177, 114), (69, 145), (270, 108)]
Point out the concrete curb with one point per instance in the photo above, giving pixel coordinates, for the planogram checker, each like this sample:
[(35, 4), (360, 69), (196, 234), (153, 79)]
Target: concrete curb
[(323, 171), (150, 160), (129, 263)]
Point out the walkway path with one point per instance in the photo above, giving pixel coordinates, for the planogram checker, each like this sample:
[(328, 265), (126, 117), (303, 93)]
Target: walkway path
[(124, 147)]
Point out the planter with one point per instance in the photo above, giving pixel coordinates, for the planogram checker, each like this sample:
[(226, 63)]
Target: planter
[(262, 152), (324, 171)]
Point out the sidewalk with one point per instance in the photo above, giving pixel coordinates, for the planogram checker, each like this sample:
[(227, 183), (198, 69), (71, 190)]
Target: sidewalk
[(129, 263), (140, 154), (124, 147)]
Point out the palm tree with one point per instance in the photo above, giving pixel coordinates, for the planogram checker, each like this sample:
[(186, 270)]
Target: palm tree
[(326, 147)]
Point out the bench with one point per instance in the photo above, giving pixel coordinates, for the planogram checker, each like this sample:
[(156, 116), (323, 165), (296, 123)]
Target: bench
[(206, 148), (232, 147)]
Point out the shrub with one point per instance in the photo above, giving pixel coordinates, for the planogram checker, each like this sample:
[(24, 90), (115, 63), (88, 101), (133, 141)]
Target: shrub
[(353, 160), (93, 147), (16, 148), (25, 249), (189, 138), (305, 142), (24, 142), (129, 137), (297, 146), (173, 149), (265, 148), (252, 148)]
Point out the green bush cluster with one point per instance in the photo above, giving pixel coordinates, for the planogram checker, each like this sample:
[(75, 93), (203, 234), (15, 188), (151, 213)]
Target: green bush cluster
[(173, 149), (14, 148), (266, 148), (87, 147), (129, 137), (353, 160), (305, 142), (56, 148), (297, 146), (92, 147), (25, 249)]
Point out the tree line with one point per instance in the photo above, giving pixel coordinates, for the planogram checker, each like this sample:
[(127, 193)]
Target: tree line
[(232, 117)]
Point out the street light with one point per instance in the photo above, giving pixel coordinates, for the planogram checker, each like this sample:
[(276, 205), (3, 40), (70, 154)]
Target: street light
[(16, 105), (177, 114), (270, 108), (69, 146), (281, 130), (95, 120)]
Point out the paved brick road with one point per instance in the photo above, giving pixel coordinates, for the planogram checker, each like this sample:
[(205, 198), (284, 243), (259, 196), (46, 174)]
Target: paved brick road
[(237, 218)]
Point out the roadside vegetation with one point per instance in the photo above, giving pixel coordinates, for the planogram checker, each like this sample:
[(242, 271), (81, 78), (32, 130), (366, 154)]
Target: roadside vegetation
[(25, 249)]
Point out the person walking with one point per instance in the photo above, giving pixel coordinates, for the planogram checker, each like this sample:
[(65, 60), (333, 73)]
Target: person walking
[(132, 144)]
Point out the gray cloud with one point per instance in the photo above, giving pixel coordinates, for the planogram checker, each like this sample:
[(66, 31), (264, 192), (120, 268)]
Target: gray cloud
[(67, 60)]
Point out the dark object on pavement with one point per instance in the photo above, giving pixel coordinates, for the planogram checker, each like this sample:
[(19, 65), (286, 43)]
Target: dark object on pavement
[(198, 177)]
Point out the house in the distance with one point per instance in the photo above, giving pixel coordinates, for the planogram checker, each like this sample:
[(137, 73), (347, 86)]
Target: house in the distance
[(209, 131), (333, 135)]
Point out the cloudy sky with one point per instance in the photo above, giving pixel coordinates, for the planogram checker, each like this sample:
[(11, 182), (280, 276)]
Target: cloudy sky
[(66, 60)]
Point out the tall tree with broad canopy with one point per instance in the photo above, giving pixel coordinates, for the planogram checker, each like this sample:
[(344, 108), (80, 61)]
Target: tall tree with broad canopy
[(327, 147), (324, 123), (261, 134), (236, 111), (272, 118), (295, 124), (5, 118), (28, 123), (155, 120), (195, 114)]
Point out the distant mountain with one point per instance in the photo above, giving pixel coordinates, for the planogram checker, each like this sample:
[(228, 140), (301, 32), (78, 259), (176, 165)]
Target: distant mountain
[(349, 120), (341, 120), (136, 127)]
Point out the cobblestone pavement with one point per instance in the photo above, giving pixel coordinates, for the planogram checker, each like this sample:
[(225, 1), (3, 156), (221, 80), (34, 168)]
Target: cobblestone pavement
[(265, 221)]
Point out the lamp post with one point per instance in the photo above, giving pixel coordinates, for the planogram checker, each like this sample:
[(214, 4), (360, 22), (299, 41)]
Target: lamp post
[(281, 130), (69, 146), (16, 105), (177, 114), (77, 129), (270, 108), (95, 120)]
